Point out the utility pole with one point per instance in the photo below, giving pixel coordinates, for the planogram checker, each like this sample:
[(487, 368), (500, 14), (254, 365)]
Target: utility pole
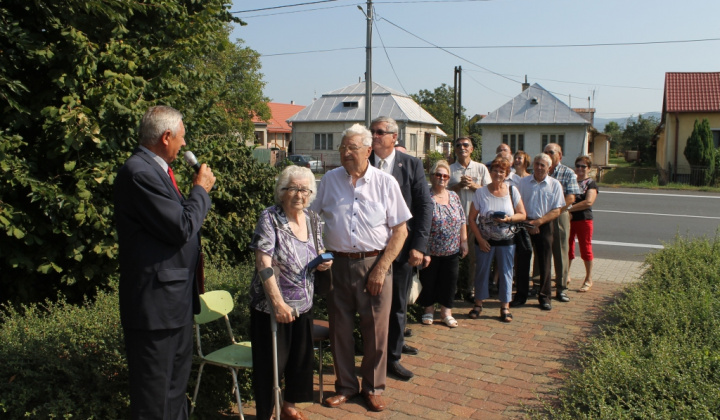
[(368, 65), (457, 104)]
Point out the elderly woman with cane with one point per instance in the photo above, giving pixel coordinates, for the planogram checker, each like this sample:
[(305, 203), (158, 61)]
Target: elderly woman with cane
[(284, 244)]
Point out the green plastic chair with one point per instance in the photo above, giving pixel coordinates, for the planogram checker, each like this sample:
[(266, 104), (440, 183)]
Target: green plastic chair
[(215, 305)]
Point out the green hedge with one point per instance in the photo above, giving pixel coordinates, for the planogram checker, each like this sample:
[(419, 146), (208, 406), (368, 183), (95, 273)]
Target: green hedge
[(61, 360), (659, 354)]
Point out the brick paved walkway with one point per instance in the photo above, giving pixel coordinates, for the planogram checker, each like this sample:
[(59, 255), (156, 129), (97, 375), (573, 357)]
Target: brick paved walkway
[(486, 369)]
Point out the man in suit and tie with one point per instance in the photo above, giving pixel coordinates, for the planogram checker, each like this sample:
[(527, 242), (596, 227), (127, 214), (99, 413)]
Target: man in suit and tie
[(159, 247), (409, 173)]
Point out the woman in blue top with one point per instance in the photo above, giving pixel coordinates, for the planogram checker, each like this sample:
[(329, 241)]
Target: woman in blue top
[(283, 241)]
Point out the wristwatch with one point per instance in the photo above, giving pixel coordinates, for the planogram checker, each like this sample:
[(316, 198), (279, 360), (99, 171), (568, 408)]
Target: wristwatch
[(569, 207)]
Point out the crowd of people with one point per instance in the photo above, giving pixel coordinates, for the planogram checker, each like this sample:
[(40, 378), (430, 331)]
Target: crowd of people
[(381, 221)]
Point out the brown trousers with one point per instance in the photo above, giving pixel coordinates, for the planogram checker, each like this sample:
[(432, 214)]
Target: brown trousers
[(348, 297)]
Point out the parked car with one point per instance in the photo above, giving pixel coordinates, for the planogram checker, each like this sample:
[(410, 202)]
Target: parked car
[(307, 161)]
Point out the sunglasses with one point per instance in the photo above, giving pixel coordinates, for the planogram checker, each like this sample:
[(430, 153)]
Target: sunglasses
[(441, 176), (380, 132), (580, 166), (465, 145)]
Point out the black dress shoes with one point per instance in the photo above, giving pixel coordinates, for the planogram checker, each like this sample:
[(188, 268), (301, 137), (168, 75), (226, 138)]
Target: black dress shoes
[(562, 296), (516, 303), (545, 303), (409, 350), (408, 332), (398, 371)]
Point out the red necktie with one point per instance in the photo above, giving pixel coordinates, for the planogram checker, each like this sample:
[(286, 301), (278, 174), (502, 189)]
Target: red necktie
[(172, 178)]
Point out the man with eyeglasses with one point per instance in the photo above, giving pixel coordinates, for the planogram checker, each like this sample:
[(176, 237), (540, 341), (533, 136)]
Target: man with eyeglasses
[(365, 229), (466, 176), (561, 232), (409, 173)]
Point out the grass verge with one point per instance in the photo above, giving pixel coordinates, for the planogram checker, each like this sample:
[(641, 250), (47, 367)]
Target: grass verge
[(658, 354)]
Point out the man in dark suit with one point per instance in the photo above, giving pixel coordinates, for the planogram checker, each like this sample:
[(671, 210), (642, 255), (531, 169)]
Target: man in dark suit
[(159, 246), (409, 173)]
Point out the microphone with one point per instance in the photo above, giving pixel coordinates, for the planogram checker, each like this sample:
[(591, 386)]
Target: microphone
[(191, 160)]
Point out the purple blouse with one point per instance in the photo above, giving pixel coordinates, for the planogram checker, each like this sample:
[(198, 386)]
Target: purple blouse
[(274, 237), (445, 229)]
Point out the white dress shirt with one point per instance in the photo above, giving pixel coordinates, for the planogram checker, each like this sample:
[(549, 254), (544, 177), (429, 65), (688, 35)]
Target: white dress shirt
[(540, 197), (359, 218)]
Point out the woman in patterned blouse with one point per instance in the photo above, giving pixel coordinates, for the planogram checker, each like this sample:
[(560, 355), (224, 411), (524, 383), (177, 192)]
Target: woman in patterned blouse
[(447, 244), (284, 241)]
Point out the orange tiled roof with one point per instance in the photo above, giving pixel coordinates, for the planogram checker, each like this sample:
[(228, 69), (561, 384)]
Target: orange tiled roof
[(280, 113), (692, 92)]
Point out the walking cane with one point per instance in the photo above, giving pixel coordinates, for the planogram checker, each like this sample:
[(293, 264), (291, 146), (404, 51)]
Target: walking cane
[(273, 328)]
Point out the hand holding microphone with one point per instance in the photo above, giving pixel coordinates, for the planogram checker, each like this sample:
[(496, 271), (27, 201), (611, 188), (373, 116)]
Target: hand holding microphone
[(204, 176)]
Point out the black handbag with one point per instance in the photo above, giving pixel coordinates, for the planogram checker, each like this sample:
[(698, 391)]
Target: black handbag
[(522, 237), (323, 279)]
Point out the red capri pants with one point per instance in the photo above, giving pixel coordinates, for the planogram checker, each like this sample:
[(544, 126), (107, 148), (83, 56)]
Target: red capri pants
[(583, 230)]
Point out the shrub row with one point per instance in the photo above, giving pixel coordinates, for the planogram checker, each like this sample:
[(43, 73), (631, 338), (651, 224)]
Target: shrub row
[(658, 355)]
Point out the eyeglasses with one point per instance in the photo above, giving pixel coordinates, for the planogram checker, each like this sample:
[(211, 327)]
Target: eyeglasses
[(342, 148), (304, 192), (580, 166), (381, 132), (465, 145), (498, 171), (441, 176), (550, 152)]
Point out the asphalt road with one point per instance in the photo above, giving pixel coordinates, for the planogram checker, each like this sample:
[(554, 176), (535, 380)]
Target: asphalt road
[(629, 223)]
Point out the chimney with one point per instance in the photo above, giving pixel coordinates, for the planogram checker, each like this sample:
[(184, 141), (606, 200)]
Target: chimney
[(292, 102), (525, 85)]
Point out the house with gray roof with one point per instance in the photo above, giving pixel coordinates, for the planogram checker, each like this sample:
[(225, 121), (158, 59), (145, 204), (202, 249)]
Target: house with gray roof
[(317, 129), (535, 118)]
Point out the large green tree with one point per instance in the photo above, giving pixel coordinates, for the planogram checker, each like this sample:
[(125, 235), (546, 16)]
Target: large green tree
[(700, 151), (440, 104), (638, 136), (615, 132), (75, 78)]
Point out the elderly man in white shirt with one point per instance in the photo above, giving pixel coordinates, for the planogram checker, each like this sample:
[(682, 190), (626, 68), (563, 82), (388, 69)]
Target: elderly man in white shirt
[(543, 199), (365, 228)]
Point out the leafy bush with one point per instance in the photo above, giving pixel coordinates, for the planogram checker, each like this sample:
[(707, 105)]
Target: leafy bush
[(75, 79), (430, 159), (62, 361), (659, 356)]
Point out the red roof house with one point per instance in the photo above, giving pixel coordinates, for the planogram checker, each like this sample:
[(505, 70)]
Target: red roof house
[(687, 97), (276, 133)]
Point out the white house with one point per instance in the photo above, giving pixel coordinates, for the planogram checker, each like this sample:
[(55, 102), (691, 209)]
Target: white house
[(317, 129), (535, 118)]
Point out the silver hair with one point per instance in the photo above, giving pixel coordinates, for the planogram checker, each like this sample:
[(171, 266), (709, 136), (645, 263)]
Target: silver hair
[(156, 121), (359, 130), (545, 157), (297, 172), (391, 124)]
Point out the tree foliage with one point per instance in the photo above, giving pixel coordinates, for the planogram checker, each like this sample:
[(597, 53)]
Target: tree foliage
[(440, 104), (700, 149), (638, 135), (75, 78)]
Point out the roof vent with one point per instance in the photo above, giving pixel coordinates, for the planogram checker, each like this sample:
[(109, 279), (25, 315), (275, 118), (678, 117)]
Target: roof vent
[(534, 100), (350, 104)]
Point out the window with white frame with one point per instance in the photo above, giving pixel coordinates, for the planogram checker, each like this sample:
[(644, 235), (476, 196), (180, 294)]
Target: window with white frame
[(553, 138), (413, 142), (516, 141), (323, 141)]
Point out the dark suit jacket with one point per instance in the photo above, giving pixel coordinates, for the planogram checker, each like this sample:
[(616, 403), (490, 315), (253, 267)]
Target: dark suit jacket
[(410, 175), (159, 245)]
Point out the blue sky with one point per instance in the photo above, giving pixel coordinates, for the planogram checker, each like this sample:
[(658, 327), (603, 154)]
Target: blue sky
[(621, 80)]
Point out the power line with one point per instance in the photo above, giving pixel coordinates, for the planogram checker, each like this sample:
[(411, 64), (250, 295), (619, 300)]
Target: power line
[(389, 61), (282, 7), (605, 44)]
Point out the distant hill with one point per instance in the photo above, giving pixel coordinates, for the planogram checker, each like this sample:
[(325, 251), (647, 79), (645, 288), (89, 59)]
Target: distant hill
[(601, 122)]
